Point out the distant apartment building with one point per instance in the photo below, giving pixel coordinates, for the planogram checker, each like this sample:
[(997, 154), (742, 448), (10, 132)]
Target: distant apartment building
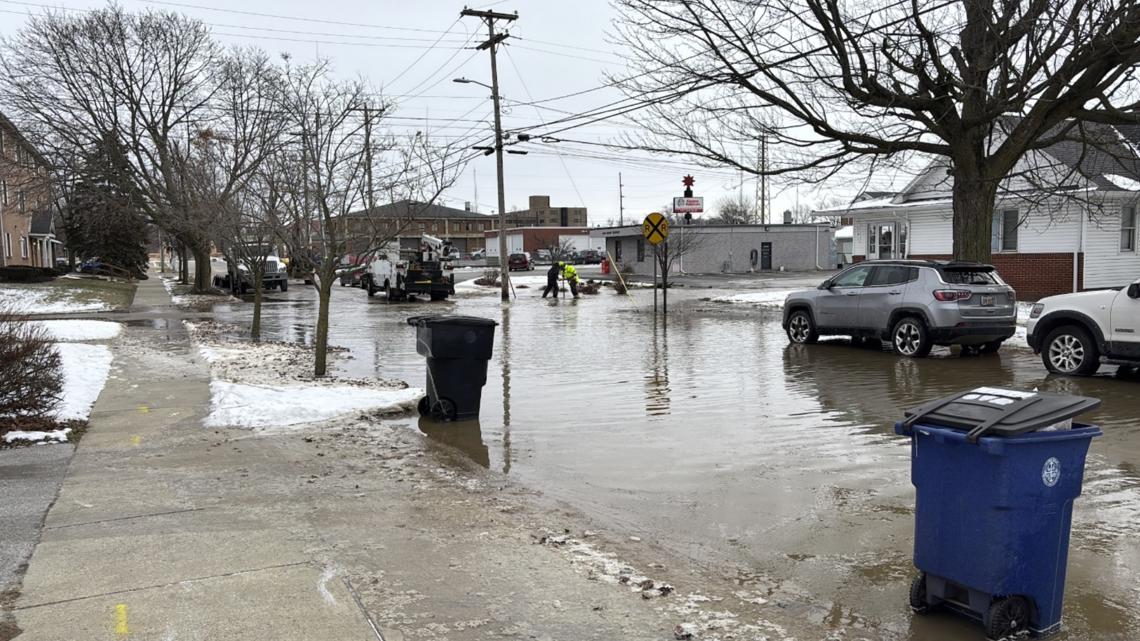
[(539, 213), (27, 233)]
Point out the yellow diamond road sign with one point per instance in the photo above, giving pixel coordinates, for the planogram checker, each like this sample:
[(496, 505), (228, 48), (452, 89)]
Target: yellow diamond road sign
[(655, 228)]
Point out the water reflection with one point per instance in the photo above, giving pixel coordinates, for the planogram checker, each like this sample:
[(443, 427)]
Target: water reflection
[(465, 436), (657, 402), (505, 367)]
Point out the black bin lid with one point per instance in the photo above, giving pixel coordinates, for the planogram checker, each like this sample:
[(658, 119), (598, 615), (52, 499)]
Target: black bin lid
[(445, 319), (998, 411)]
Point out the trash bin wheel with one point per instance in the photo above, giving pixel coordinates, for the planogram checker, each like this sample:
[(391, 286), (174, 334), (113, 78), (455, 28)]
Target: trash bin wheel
[(1007, 617), (918, 603), (443, 410), (423, 406)]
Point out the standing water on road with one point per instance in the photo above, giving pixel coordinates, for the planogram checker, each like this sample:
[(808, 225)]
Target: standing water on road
[(715, 438)]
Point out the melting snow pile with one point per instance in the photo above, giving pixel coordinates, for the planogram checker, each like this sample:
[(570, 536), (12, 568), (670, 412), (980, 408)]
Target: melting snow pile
[(85, 370), (700, 616), (269, 384), (80, 330), (54, 436), (45, 300), (773, 299)]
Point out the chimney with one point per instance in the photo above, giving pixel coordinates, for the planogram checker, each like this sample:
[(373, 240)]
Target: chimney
[(787, 217), (467, 206)]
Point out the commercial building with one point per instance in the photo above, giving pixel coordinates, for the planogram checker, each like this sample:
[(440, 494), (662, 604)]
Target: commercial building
[(539, 213), (409, 220), (731, 249), (532, 239), (25, 198)]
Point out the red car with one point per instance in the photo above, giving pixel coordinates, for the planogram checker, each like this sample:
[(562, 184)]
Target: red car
[(520, 262)]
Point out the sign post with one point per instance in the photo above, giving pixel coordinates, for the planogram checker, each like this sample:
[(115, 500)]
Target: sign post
[(656, 231)]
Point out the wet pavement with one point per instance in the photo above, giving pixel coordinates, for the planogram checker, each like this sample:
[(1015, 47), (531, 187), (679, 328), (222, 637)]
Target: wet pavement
[(775, 465)]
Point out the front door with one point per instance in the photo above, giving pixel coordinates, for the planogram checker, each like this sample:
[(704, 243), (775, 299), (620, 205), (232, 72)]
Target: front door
[(838, 307), (765, 256)]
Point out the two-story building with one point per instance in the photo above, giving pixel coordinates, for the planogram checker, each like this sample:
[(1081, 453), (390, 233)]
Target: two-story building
[(27, 234)]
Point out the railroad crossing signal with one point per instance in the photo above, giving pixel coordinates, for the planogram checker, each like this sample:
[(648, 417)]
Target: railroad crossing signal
[(655, 228)]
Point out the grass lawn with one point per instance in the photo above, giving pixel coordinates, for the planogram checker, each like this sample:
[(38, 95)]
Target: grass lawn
[(69, 295)]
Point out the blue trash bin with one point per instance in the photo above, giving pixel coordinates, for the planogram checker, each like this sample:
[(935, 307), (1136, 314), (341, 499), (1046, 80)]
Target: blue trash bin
[(995, 474)]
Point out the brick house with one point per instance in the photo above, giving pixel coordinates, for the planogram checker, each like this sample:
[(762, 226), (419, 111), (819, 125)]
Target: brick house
[(1046, 240), (24, 193)]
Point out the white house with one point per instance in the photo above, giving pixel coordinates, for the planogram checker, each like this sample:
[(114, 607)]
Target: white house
[(1065, 219)]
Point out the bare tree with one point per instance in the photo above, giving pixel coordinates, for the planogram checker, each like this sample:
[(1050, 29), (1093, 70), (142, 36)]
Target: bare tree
[(833, 83), (681, 242), (335, 124), (158, 84), (735, 210)]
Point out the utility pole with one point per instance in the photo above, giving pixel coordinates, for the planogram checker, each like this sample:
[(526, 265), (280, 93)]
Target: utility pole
[(493, 40), (621, 203), (368, 159), (763, 179)]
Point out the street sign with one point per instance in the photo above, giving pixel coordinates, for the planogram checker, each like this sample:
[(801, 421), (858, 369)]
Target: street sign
[(688, 205), (655, 228)]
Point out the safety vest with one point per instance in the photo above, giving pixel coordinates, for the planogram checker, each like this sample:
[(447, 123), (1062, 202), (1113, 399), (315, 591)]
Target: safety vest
[(569, 273)]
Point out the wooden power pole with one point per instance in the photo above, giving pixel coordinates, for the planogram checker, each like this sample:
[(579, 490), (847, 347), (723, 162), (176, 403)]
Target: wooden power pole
[(491, 44)]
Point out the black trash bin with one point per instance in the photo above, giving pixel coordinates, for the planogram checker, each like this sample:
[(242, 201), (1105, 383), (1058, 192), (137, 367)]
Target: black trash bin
[(457, 350)]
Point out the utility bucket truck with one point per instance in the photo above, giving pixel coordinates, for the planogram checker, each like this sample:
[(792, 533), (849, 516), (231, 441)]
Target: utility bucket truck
[(423, 274)]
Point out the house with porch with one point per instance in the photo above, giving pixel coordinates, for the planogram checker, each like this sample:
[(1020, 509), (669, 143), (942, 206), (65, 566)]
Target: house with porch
[(1065, 219), (25, 193)]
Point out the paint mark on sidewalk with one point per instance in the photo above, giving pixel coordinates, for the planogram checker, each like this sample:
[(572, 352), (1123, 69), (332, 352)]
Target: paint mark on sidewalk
[(143, 409), (121, 628), (135, 440)]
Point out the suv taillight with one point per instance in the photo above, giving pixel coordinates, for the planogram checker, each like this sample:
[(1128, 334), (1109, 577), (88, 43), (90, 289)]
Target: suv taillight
[(949, 295)]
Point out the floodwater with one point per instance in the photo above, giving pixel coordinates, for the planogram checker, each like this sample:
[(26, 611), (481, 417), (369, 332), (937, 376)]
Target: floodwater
[(776, 465)]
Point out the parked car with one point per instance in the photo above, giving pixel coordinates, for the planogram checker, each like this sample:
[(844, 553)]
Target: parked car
[(588, 257), (353, 268), (519, 262), (479, 254), (1077, 333), (913, 304), (92, 265)]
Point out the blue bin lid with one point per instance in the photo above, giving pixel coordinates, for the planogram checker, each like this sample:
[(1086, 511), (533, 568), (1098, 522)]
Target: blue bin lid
[(997, 411)]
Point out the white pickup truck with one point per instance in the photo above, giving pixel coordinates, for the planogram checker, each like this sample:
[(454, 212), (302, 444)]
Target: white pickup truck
[(1077, 333)]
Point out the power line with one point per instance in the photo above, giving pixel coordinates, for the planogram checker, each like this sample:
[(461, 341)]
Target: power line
[(285, 17), (511, 59), (429, 49)]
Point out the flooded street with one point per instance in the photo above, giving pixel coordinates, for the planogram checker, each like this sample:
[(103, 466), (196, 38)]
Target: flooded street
[(772, 464)]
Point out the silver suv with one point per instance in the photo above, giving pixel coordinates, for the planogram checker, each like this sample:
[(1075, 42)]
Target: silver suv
[(914, 304)]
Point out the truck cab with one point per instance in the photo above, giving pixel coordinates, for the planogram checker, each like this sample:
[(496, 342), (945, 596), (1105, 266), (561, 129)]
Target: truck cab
[(238, 279), (423, 273), (1077, 333)]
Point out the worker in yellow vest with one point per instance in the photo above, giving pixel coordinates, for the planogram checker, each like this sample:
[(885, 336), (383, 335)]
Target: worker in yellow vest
[(571, 276)]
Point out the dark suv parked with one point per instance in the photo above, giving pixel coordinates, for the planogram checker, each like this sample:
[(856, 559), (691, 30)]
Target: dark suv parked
[(911, 303)]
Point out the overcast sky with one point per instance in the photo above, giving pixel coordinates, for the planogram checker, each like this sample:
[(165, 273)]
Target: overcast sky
[(412, 51)]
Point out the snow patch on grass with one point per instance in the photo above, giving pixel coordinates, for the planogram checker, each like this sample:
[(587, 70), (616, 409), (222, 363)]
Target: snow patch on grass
[(54, 436), (71, 331), (85, 370), (31, 300), (241, 405)]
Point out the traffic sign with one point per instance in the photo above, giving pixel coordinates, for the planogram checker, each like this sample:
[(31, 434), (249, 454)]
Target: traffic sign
[(655, 228)]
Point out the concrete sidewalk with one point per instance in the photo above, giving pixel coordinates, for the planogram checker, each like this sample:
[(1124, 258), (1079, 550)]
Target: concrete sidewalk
[(145, 540)]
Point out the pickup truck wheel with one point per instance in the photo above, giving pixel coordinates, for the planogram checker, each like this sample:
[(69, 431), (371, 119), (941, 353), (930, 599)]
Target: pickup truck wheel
[(367, 285), (284, 285), (1070, 350), (801, 328), (910, 338)]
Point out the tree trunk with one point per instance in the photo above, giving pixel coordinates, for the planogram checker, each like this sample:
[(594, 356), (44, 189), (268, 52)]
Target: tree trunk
[(324, 289), (256, 275), (974, 197), (183, 265), (202, 270)]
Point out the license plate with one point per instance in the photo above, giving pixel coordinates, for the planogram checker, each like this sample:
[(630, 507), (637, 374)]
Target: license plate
[(987, 301)]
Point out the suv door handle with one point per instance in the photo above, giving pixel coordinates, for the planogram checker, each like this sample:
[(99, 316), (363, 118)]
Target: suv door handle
[(895, 293), (852, 293)]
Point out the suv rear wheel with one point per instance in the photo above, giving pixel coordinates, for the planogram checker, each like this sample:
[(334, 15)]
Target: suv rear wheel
[(801, 328), (1070, 350), (910, 338)]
